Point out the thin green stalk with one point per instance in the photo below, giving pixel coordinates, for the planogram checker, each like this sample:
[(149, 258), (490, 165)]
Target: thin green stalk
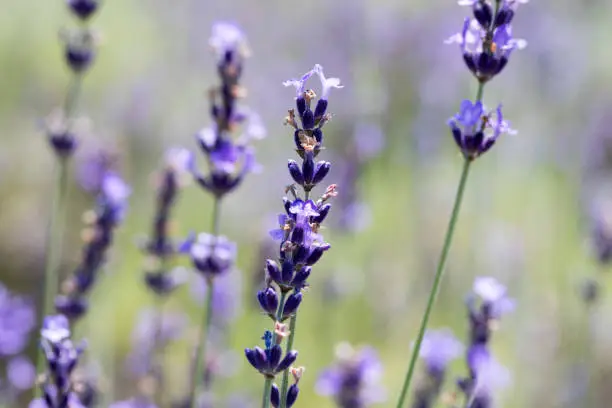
[(207, 318), (285, 386), (438, 278), (55, 236), (265, 401)]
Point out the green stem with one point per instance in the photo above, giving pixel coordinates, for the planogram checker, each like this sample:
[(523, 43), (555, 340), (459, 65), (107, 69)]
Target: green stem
[(207, 318), (285, 386), (72, 96), (438, 277), (265, 399)]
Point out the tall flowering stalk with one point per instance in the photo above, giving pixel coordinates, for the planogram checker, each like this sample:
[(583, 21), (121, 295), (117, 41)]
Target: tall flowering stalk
[(229, 160), (160, 248), (98, 236), (79, 53), (301, 245), (486, 44)]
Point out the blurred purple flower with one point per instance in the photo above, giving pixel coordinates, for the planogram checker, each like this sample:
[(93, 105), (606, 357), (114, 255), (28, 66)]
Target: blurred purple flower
[(21, 373), (213, 256), (494, 296), (110, 210), (439, 347), (354, 380), (17, 319), (83, 9), (488, 376), (92, 169), (227, 38)]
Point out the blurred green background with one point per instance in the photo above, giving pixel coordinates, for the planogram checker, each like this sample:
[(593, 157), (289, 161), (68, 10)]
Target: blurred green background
[(525, 220)]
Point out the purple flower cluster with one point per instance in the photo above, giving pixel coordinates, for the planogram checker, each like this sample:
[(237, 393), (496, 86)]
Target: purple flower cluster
[(438, 349), (160, 247), (486, 43), (485, 373), (228, 160), (62, 357), (79, 53), (486, 40), (108, 214), (354, 380), (301, 244)]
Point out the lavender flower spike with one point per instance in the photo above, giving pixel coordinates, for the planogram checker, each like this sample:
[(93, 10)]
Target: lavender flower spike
[(486, 42), (102, 222), (230, 158), (301, 244)]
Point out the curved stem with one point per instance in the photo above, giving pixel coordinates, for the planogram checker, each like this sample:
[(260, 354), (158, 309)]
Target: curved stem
[(285, 386), (207, 318), (438, 278)]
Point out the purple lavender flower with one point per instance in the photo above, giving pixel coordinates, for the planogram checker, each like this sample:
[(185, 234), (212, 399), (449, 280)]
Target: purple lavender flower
[(61, 137), (229, 160), (111, 207), (439, 347), (486, 50), (93, 167), (79, 49), (488, 377), (62, 357), (354, 380), (213, 256), (83, 9), (475, 130), (270, 361), (301, 244), (160, 246), (17, 319), (493, 294)]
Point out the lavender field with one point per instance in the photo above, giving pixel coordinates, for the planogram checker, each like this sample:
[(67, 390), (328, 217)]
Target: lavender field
[(349, 204)]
